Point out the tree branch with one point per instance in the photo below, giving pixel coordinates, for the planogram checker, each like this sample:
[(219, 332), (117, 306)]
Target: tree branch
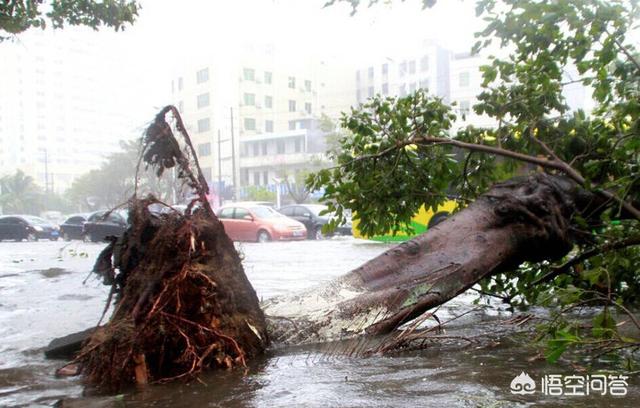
[(550, 164), (612, 246)]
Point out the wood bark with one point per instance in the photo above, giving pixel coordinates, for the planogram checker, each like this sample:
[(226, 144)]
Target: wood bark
[(524, 219)]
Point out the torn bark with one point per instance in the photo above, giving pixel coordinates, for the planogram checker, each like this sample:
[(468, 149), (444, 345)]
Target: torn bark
[(524, 219)]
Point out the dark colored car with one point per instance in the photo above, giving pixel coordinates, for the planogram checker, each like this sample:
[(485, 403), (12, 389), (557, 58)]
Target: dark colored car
[(71, 228), (309, 215), (19, 227), (102, 224)]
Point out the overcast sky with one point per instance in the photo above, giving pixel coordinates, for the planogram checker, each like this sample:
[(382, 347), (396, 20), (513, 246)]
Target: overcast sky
[(169, 32)]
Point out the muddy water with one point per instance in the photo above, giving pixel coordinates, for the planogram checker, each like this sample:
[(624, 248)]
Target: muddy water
[(42, 296)]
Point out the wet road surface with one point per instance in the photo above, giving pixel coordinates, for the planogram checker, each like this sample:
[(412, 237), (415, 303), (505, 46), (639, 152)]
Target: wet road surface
[(42, 296)]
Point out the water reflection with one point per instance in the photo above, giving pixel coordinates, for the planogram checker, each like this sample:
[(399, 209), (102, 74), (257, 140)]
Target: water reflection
[(34, 308)]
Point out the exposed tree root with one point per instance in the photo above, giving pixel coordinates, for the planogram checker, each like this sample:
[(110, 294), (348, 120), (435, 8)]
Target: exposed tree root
[(182, 300)]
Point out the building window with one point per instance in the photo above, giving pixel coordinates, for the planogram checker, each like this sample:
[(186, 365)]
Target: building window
[(256, 178), (265, 178), (298, 145), (263, 148), (180, 106), (244, 150), (292, 105), (424, 84), (370, 92), (403, 68), (463, 79), (249, 124), (412, 67), (370, 72), (249, 74), (412, 87), (180, 84), (358, 96), (280, 146), (307, 107), (204, 125), (256, 148), (202, 76), (385, 69), (268, 126), (403, 90), (268, 102), (424, 63), (465, 108), (204, 149), (307, 85), (244, 177), (385, 89), (268, 77), (249, 99), (358, 76), (203, 100), (292, 82), (292, 125)]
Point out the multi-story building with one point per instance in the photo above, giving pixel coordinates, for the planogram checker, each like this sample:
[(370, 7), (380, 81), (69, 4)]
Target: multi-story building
[(399, 75), (58, 119), (258, 101), (465, 81)]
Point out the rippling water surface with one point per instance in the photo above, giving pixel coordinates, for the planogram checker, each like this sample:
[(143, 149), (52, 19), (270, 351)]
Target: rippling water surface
[(42, 296)]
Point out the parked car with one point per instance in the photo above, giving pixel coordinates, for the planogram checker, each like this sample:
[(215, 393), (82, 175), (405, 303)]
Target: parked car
[(19, 227), (99, 225), (71, 228), (259, 223), (310, 215)]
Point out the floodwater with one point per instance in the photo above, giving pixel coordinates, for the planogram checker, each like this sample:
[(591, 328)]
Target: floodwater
[(42, 296)]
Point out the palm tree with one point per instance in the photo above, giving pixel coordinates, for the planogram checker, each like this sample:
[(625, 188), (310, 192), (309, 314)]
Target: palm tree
[(19, 194)]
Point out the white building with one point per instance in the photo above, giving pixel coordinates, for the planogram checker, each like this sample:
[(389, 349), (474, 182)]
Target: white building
[(465, 80), (58, 118), (272, 98), (399, 75)]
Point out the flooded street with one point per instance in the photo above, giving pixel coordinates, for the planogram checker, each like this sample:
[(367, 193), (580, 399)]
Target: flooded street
[(42, 296)]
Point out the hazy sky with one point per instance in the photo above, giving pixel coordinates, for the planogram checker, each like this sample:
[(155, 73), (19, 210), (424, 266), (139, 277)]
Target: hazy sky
[(170, 32)]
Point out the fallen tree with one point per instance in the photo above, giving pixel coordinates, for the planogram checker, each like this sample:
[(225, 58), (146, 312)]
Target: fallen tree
[(523, 219), (183, 304)]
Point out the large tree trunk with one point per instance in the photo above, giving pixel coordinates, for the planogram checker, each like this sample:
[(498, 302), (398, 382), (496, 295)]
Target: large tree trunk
[(524, 219)]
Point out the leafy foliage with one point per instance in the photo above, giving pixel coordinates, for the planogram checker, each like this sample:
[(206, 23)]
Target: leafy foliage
[(355, 3), (19, 194), (258, 193), (398, 155), (114, 182), (17, 16)]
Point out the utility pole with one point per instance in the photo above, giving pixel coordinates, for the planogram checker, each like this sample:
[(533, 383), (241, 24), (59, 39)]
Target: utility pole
[(233, 159), (46, 172), (219, 169), (46, 179)]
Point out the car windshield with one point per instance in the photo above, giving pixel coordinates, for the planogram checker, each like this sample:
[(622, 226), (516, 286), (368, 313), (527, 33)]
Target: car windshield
[(265, 212), (36, 220), (317, 209)]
